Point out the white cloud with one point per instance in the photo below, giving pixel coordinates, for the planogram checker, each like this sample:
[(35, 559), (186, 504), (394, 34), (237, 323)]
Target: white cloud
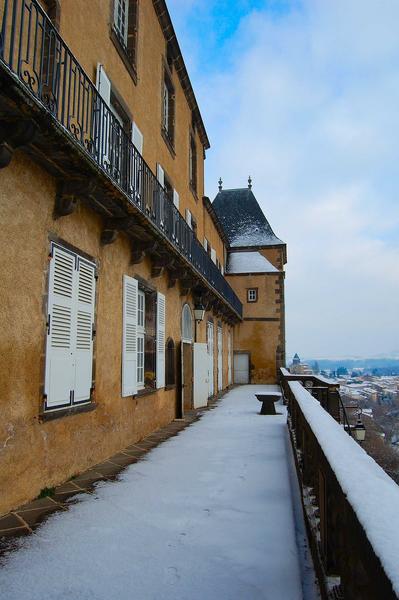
[(307, 104)]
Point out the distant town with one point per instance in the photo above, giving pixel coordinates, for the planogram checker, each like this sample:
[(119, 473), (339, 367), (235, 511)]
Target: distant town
[(369, 389)]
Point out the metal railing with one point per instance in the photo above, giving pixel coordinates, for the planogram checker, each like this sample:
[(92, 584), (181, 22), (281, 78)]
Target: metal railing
[(32, 49)]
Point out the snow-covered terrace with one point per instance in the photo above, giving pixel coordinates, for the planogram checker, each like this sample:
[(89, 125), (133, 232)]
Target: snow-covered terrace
[(213, 513)]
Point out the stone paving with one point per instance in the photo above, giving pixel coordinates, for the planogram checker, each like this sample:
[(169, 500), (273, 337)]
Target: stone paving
[(25, 519)]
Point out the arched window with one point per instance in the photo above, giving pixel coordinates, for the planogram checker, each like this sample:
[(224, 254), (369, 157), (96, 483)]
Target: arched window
[(187, 324), (170, 366)]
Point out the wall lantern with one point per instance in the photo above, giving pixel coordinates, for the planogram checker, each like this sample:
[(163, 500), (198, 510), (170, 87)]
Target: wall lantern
[(199, 312), (359, 431)]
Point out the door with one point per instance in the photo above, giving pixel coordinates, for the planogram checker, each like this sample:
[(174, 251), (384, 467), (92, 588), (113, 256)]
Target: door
[(241, 368), (229, 370), (187, 375), (200, 375), (210, 359), (220, 359)]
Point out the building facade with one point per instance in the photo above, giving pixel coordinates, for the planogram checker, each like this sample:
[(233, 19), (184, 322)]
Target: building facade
[(110, 246), (255, 270)]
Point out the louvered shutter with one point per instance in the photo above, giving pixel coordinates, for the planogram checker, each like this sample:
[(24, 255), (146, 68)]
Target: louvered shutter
[(59, 377), (160, 374), (205, 244), (86, 293), (137, 138), (176, 199), (129, 337), (188, 218), (213, 255)]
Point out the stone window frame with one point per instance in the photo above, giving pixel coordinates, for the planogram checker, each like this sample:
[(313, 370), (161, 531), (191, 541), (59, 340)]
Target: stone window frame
[(255, 295)]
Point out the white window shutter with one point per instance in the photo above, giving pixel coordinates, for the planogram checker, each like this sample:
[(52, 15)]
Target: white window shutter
[(129, 337), (59, 376), (205, 244), (213, 255), (160, 175), (176, 199), (86, 293), (188, 218), (222, 269), (137, 138), (161, 319), (103, 84)]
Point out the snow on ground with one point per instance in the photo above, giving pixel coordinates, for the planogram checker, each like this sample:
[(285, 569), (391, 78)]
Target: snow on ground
[(207, 515)]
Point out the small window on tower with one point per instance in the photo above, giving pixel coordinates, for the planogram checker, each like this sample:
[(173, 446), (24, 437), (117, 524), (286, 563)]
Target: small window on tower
[(252, 295)]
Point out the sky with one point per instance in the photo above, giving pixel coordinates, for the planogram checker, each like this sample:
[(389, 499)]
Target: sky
[(303, 95)]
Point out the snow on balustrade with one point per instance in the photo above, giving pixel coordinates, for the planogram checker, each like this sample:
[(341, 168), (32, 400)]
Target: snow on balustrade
[(373, 495)]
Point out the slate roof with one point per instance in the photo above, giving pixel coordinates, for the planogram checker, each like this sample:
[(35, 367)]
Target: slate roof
[(243, 220)]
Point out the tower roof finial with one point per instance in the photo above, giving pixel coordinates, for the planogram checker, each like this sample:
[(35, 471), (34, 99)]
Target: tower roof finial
[(220, 182), (249, 183)]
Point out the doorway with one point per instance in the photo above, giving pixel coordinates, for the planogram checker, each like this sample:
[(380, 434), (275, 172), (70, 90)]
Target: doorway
[(241, 367)]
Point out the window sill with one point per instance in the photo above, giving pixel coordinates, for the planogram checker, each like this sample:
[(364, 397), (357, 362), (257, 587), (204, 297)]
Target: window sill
[(168, 142), (44, 417), (131, 68), (146, 392), (171, 386)]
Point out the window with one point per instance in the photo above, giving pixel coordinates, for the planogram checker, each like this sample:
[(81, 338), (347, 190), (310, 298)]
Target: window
[(187, 324), (170, 369), (70, 329), (143, 356), (193, 163), (52, 8), (168, 108), (114, 123), (252, 295), (168, 187), (125, 31), (140, 338)]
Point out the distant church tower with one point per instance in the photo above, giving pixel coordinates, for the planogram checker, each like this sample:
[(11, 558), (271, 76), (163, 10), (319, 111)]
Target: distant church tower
[(296, 360), (255, 270)]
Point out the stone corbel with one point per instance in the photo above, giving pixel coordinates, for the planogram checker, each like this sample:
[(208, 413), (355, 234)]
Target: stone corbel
[(14, 135), (69, 192)]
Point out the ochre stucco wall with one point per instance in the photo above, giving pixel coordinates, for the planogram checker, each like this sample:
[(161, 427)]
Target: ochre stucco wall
[(36, 454), (262, 331)]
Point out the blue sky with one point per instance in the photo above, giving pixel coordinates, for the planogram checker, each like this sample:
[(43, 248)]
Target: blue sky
[(304, 95)]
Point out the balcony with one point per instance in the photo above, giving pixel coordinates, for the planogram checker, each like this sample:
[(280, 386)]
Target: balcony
[(50, 108), (350, 503)]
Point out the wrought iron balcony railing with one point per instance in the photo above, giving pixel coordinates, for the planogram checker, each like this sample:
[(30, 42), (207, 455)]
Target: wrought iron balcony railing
[(34, 52)]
